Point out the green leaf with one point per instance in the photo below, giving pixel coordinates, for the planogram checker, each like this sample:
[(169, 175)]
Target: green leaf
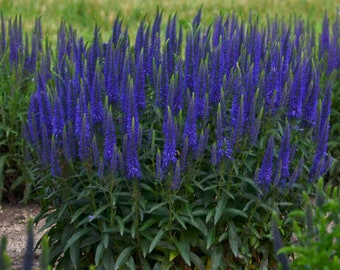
[(75, 237), (144, 245), (90, 240), (200, 212), (197, 261), (233, 239), (210, 215), (130, 263), (184, 250), (18, 181), (221, 206), (99, 253), (147, 224), (233, 212), (145, 265), (106, 239), (80, 211), (155, 241), (147, 187), (216, 258), (249, 181), (99, 211), (173, 255), (157, 206), (200, 225), (133, 230), (120, 224), (249, 204), (123, 257), (180, 220), (222, 237), (107, 259), (210, 238), (74, 254)]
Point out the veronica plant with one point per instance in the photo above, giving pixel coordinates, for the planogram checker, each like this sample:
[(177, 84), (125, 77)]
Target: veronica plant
[(156, 158), (329, 50), (18, 56)]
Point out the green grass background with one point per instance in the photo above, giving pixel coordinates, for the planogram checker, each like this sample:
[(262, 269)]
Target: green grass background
[(84, 14)]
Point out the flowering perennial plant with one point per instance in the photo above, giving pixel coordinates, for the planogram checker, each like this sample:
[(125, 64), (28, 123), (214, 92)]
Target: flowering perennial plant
[(174, 143), (19, 54)]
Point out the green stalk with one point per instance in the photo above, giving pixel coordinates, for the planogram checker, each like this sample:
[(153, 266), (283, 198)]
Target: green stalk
[(136, 210)]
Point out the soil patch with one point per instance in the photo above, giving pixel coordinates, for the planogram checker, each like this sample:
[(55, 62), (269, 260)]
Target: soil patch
[(13, 225)]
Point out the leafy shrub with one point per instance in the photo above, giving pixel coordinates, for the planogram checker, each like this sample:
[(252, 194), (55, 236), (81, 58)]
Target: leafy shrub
[(18, 57), (155, 157), (317, 244)]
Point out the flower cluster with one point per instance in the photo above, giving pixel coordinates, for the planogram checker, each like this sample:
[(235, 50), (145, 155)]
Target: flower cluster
[(22, 51), (166, 105), (329, 46), (19, 55)]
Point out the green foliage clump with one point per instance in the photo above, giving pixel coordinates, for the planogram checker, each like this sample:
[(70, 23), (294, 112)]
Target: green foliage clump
[(316, 240)]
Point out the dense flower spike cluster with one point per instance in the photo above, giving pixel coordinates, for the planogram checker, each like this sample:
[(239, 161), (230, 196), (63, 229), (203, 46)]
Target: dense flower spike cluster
[(329, 43), (236, 82), (19, 55), (22, 51)]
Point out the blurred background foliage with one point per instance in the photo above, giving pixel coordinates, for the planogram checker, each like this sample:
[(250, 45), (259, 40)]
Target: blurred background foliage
[(84, 14)]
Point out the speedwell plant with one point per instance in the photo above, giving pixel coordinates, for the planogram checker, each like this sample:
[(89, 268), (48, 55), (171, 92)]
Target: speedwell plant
[(19, 53), (173, 152)]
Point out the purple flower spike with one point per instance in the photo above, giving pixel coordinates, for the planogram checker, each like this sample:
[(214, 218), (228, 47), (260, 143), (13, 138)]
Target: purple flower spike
[(95, 152), (325, 110), (45, 154), (101, 168), (202, 142), (140, 83), (85, 139), (223, 150), (324, 37), (214, 154), (97, 111), (169, 140), (310, 107), (238, 122), (132, 162), (184, 153), (190, 125), (219, 124), (114, 160), (176, 181), (216, 76), (159, 170), (109, 139), (266, 170), (320, 156), (296, 92), (197, 20), (297, 172), (58, 119), (55, 167)]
